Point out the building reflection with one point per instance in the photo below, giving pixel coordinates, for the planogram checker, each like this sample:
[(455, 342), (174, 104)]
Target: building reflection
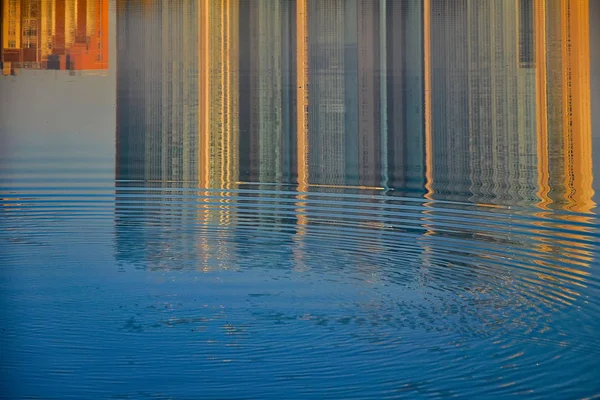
[(54, 35), (510, 123), (157, 91), (267, 90), (485, 102), (563, 98)]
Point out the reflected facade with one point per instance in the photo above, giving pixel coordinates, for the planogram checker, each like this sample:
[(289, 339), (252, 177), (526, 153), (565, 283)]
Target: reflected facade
[(54, 35), (267, 90), (485, 101), (157, 91), (509, 115)]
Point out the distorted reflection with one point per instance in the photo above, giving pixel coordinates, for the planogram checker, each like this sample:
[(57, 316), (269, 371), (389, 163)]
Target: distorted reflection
[(54, 35), (481, 101), (310, 199)]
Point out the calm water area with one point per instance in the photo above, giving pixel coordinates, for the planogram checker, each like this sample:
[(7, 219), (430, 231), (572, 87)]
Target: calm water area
[(291, 199)]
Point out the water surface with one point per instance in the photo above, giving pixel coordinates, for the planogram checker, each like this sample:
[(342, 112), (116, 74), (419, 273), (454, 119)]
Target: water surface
[(297, 199)]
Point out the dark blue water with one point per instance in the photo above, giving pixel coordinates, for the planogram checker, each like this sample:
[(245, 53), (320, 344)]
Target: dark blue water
[(252, 292), (386, 244)]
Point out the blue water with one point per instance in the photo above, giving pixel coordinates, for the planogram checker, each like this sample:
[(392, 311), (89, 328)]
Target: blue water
[(251, 293), (161, 260)]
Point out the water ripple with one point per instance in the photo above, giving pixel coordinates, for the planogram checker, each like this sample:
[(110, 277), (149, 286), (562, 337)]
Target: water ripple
[(317, 290)]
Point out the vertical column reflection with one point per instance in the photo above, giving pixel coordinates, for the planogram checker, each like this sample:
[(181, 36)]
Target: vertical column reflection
[(218, 92), (563, 104), (470, 100), (302, 126)]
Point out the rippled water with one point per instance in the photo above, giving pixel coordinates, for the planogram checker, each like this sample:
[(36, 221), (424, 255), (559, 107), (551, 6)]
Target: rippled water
[(153, 291), (401, 252)]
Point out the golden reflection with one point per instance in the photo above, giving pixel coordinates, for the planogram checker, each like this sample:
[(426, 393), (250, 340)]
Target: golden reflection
[(427, 88), (219, 92), (576, 96), (486, 102), (54, 35), (218, 102), (302, 130), (302, 107), (508, 124), (204, 212), (302, 92), (563, 104), (204, 95), (541, 103)]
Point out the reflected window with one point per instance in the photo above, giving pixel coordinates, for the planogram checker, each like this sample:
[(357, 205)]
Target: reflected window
[(526, 34)]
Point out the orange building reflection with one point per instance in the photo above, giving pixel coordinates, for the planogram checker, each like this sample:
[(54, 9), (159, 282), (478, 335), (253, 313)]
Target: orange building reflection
[(563, 103), (508, 112), (509, 120), (54, 35), (483, 102), (218, 92)]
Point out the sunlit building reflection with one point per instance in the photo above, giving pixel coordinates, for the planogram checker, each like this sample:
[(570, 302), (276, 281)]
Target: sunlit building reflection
[(178, 108), (510, 125), (218, 55), (54, 35), (563, 100), (484, 102), (509, 95)]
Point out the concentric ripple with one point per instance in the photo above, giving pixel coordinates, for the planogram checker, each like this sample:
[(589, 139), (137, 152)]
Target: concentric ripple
[(330, 292)]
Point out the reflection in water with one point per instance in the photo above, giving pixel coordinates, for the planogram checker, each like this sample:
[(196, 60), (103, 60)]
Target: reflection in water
[(365, 269), (466, 100), (511, 123), (481, 102), (317, 198), (54, 34)]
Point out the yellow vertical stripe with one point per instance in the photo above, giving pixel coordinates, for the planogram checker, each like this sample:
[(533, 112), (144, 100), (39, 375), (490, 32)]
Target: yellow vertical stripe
[(427, 211), (577, 105), (229, 99), (541, 103), (302, 92), (302, 104), (302, 128), (222, 95), (427, 98), (204, 95)]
